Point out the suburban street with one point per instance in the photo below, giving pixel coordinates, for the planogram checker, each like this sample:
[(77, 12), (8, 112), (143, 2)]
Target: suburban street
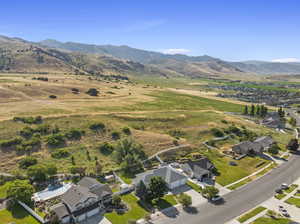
[(241, 200)]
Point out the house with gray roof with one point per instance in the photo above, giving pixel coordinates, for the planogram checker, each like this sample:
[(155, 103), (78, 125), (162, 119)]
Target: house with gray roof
[(248, 148), (265, 141), (82, 201), (199, 169), (172, 177)]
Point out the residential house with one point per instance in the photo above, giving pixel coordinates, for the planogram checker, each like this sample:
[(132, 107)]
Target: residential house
[(273, 120), (248, 148), (172, 177), (199, 169), (265, 141), (82, 201)]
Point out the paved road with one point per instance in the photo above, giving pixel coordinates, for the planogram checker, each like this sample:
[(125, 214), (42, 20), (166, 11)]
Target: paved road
[(241, 200)]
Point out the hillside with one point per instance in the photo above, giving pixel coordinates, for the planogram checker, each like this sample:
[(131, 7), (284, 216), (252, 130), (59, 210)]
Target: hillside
[(263, 67)]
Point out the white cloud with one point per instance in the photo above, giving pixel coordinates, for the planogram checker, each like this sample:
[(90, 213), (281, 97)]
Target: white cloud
[(176, 51), (286, 60)]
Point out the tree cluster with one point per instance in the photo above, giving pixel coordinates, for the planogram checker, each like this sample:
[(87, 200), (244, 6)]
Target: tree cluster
[(258, 110)]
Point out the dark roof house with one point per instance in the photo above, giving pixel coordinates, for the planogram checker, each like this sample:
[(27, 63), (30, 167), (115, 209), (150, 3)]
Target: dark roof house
[(198, 169), (265, 141), (247, 147)]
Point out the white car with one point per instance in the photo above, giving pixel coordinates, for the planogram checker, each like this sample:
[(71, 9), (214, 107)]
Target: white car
[(284, 186)]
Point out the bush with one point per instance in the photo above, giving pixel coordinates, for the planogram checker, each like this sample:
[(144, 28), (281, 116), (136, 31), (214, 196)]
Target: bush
[(116, 200), (106, 148), (217, 132), (126, 131), (274, 149), (60, 153), (92, 92), (185, 200), (74, 134), (177, 133), (97, 127), (11, 142), (27, 132), (115, 135), (52, 97), (29, 120), (56, 140), (27, 162)]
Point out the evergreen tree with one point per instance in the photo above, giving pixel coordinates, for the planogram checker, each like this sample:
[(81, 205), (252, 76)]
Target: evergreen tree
[(141, 191), (258, 110), (252, 112), (245, 110)]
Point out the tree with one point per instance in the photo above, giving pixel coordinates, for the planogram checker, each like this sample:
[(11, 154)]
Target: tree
[(293, 145), (20, 190), (78, 170), (98, 127), (115, 135), (73, 160), (185, 200), (258, 110), (37, 172), (74, 134), (157, 188), (141, 191), (274, 149), (92, 92), (56, 140), (245, 110), (293, 122), (126, 131), (27, 162), (116, 200), (210, 191), (252, 111), (106, 148), (281, 112), (98, 167)]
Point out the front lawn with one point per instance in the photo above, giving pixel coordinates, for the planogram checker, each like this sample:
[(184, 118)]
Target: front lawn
[(194, 186), (126, 177), (17, 215), (293, 201), (135, 211), (165, 202), (251, 214), (228, 174)]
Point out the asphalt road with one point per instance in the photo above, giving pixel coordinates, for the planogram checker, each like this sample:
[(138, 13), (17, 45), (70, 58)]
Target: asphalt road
[(239, 201)]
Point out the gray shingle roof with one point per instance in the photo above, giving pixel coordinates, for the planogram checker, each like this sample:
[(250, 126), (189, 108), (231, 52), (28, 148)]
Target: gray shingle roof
[(77, 194), (166, 173), (60, 210), (247, 146), (201, 166), (101, 190), (88, 182), (265, 141)]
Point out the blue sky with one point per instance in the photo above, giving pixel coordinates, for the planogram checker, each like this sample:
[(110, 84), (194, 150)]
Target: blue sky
[(228, 29)]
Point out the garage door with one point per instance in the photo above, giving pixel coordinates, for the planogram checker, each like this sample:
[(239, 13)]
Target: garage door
[(93, 212)]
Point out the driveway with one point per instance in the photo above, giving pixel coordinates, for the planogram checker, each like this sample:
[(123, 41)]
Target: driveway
[(241, 200), (197, 198)]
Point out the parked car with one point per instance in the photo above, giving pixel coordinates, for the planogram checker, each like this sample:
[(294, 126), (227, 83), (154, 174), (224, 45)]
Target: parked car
[(278, 190), (284, 186), (285, 213), (216, 198)]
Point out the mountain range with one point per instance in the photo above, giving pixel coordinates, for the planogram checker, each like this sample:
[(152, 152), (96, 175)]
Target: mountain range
[(51, 56)]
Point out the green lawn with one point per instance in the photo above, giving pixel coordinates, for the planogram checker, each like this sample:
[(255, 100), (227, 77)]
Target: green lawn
[(229, 174), (293, 201), (166, 202), (280, 196), (251, 214), (291, 188), (194, 186), (125, 177), (18, 215), (135, 211), (266, 220)]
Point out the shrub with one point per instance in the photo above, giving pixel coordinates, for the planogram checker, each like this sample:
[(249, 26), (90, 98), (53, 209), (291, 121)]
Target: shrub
[(26, 132), (74, 134), (92, 92), (185, 200), (52, 97), (115, 135), (217, 132), (274, 149), (55, 140), (60, 153), (29, 120), (126, 130), (10, 142), (106, 148), (97, 127), (177, 133), (27, 162)]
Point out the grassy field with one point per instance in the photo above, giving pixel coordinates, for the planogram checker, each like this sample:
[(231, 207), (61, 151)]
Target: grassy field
[(135, 211), (251, 214), (18, 216), (3, 189)]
